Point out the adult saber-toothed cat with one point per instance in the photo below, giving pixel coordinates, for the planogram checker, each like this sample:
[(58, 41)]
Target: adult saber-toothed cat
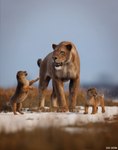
[(63, 64)]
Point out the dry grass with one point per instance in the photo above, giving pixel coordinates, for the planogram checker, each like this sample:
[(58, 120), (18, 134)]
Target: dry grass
[(33, 101)]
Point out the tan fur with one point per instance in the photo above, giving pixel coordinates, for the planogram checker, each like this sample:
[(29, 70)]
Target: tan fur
[(63, 64), (94, 100), (21, 92)]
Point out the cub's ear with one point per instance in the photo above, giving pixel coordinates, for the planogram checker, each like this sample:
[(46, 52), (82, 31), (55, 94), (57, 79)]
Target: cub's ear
[(54, 46), (17, 75), (69, 47)]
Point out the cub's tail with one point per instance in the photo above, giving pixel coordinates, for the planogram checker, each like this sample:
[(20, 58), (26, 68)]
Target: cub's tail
[(39, 61)]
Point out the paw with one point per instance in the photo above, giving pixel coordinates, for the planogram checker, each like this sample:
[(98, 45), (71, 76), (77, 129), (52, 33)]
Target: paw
[(15, 113), (103, 111), (85, 112), (37, 79), (41, 109), (62, 109), (21, 112), (72, 109), (93, 113), (31, 87), (54, 109)]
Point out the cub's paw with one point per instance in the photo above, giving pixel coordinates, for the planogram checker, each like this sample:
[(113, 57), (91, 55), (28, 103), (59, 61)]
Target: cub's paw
[(15, 113), (21, 112), (85, 113), (93, 113), (103, 111)]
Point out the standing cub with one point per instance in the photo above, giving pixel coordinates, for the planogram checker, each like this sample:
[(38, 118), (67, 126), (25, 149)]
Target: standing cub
[(21, 92), (94, 100)]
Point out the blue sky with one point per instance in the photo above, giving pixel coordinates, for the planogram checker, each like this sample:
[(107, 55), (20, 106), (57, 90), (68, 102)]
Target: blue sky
[(29, 27)]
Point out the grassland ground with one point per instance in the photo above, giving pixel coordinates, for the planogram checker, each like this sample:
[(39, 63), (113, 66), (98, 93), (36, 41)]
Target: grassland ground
[(92, 138)]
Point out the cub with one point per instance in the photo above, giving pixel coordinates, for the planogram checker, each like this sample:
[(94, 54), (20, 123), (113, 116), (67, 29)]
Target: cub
[(23, 87), (94, 100)]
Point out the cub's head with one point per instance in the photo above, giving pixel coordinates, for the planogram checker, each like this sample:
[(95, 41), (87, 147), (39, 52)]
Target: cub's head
[(92, 92), (61, 54), (21, 75)]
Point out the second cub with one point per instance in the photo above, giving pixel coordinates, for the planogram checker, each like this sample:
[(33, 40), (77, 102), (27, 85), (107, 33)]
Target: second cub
[(94, 99)]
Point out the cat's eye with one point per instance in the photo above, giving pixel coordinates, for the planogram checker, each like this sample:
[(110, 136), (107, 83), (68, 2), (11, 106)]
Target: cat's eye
[(62, 53)]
